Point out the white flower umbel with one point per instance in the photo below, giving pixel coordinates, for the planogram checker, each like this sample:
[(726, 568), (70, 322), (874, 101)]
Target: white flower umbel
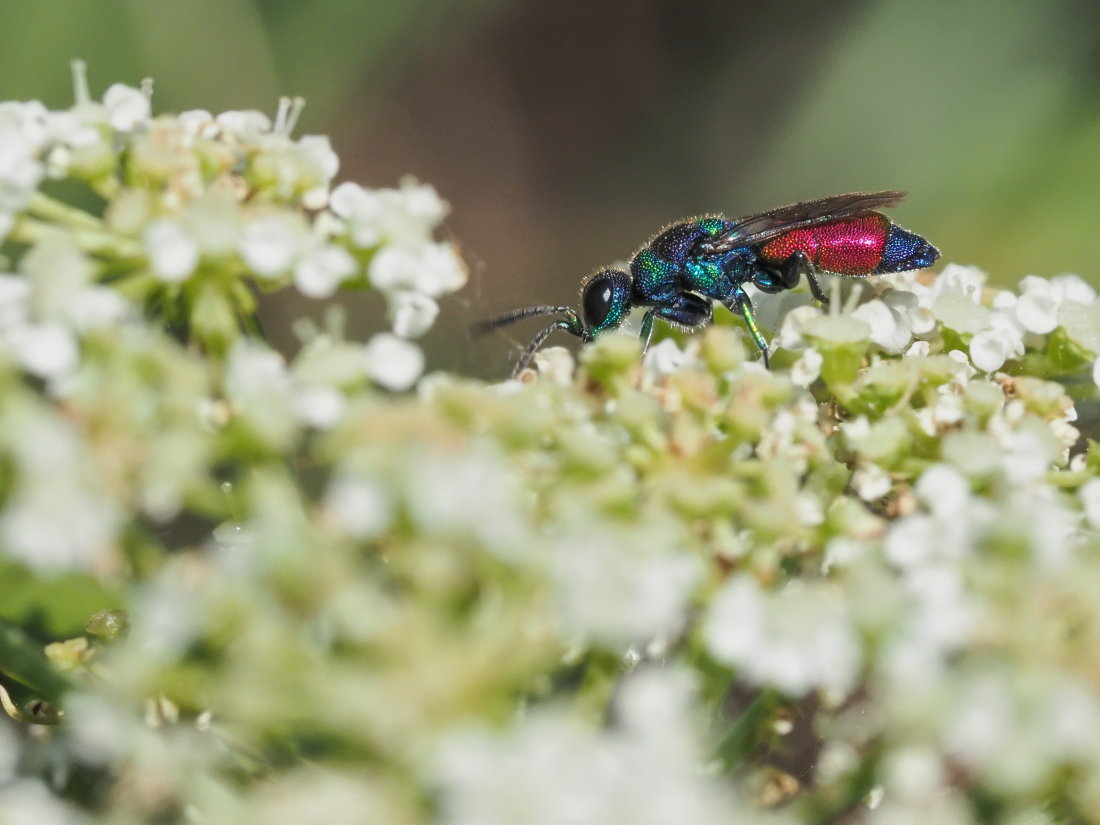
[(796, 640)]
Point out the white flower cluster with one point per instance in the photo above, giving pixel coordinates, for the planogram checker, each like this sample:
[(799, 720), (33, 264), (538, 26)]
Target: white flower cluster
[(205, 198), (551, 771), (57, 516), (996, 326), (49, 304), (797, 640), (998, 331), (615, 590)]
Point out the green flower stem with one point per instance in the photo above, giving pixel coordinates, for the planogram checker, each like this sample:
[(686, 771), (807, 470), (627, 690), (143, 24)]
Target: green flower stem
[(96, 241), (50, 209), (137, 286), (106, 186)]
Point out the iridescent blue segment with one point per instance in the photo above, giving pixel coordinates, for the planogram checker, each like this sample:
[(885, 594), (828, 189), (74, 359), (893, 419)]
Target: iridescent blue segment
[(905, 250)]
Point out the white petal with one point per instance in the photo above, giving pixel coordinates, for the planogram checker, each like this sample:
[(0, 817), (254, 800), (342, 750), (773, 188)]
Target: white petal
[(441, 270), (807, 368), (270, 244), (245, 125), (126, 107), (393, 268), (794, 323), (173, 253), (320, 407), (319, 150), (254, 370), (96, 307), (361, 209), (988, 351), (411, 313), (15, 292), (1069, 287), (943, 489), (421, 201), (665, 357), (968, 279), (362, 508), (888, 329), (1037, 311), (393, 362), (48, 350), (198, 123), (871, 482), (320, 271)]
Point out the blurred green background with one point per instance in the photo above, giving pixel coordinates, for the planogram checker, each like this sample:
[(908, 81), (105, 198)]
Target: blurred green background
[(565, 132)]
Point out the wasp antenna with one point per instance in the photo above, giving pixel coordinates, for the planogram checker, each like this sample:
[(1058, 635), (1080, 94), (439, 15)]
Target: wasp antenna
[(480, 328), (529, 353)]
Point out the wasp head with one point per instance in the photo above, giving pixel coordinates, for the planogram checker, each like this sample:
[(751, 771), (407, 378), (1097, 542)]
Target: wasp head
[(605, 301)]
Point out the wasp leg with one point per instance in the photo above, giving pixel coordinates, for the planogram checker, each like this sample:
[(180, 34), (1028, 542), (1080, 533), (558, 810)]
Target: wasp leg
[(686, 310), (798, 265), (647, 330), (740, 302)]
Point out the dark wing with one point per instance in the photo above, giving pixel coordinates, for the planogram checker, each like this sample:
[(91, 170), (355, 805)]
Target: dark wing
[(758, 229)]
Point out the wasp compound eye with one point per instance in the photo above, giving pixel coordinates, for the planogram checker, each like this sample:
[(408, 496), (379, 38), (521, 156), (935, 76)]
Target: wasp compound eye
[(606, 300)]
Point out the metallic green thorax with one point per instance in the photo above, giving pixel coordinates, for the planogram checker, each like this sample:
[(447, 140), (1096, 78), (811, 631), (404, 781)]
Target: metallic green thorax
[(669, 265)]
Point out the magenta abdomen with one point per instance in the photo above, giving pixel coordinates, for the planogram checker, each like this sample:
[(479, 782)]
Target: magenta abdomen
[(849, 246)]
